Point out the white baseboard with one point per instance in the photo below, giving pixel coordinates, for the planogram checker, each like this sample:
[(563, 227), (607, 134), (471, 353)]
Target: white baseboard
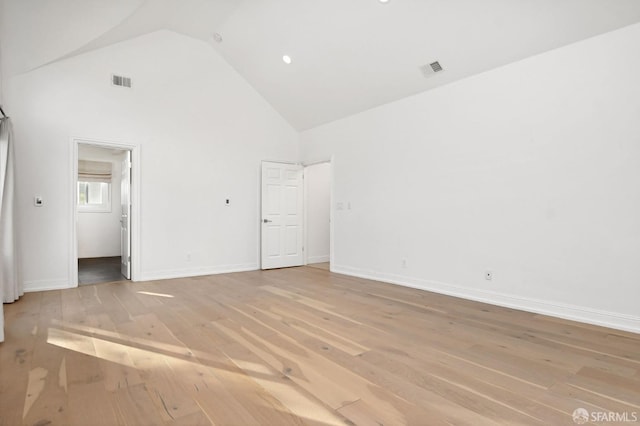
[(44, 285), (196, 272), (318, 259), (97, 256), (544, 307)]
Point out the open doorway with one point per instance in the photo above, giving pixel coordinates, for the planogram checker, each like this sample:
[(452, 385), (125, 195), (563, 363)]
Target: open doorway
[(317, 178), (102, 206)]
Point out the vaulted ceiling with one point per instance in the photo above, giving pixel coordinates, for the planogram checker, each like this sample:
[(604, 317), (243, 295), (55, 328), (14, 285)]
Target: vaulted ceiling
[(346, 56)]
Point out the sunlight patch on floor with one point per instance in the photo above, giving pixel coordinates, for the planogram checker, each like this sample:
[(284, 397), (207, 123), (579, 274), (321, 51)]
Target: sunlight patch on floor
[(34, 388), (294, 400), (132, 357), (149, 293)]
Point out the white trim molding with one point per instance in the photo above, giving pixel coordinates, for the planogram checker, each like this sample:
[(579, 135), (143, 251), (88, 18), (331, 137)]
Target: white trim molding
[(45, 285), (167, 274), (135, 203), (555, 309)]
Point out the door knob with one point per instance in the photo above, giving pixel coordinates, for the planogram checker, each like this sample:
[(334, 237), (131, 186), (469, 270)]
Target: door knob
[(266, 221)]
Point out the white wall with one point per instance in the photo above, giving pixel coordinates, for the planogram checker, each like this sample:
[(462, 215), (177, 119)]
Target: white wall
[(531, 170), (1, 74), (1, 183), (98, 233), (318, 198), (202, 131)]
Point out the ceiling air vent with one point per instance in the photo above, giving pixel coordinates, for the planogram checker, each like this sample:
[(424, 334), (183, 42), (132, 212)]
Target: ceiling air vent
[(118, 80), (431, 69)]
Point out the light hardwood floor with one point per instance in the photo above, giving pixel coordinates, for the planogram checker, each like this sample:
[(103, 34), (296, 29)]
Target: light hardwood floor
[(323, 265), (301, 346)]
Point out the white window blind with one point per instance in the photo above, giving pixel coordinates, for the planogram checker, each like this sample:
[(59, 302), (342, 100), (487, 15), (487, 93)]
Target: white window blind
[(94, 171)]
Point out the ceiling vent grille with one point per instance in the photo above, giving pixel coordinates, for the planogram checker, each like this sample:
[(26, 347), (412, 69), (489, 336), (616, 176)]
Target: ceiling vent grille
[(118, 80), (431, 69)]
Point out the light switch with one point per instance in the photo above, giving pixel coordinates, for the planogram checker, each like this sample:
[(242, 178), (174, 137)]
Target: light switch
[(37, 201)]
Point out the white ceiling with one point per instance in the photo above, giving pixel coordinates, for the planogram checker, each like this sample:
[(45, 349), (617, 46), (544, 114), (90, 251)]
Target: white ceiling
[(348, 56)]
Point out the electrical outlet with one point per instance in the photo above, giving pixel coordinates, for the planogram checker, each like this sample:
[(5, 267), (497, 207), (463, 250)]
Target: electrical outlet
[(188, 257), (488, 275), (404, 263)]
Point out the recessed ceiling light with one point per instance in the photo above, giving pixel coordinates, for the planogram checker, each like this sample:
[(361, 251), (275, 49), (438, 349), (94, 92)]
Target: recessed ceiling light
[(383, 1), (286, 59)]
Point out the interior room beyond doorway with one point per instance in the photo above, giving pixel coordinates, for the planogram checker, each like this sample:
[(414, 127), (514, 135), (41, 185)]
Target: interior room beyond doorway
[(99, 215), (318, 214)]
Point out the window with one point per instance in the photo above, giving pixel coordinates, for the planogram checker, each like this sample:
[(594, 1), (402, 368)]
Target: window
[(94, 186), (94, 196)]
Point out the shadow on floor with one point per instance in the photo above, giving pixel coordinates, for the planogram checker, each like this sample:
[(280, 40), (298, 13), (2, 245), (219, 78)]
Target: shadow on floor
[(99, 270)]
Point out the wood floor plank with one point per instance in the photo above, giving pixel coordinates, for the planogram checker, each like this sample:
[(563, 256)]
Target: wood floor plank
[(117, 367), (283, 319), (16, 354), (414, 397), (89, 404), (135, 406), (53, 407), (197, 370), (151, 358), (300, 346), (586, 398), (281, 398)]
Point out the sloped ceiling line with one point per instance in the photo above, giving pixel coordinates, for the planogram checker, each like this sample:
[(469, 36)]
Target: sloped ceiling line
[(347, 56)]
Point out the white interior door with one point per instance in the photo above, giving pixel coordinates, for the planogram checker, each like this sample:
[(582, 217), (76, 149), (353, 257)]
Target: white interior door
[(125, 216), (282, 215)]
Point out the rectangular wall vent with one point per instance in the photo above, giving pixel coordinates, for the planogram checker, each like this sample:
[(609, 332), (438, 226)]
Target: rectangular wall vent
[(118, 80), (431, 69), (435, 66)]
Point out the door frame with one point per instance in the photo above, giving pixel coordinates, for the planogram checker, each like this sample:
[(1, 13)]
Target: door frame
[(305, 165), (135, 203)]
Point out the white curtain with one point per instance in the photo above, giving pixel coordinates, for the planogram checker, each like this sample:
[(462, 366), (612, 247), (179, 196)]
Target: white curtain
[(10, 279)]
